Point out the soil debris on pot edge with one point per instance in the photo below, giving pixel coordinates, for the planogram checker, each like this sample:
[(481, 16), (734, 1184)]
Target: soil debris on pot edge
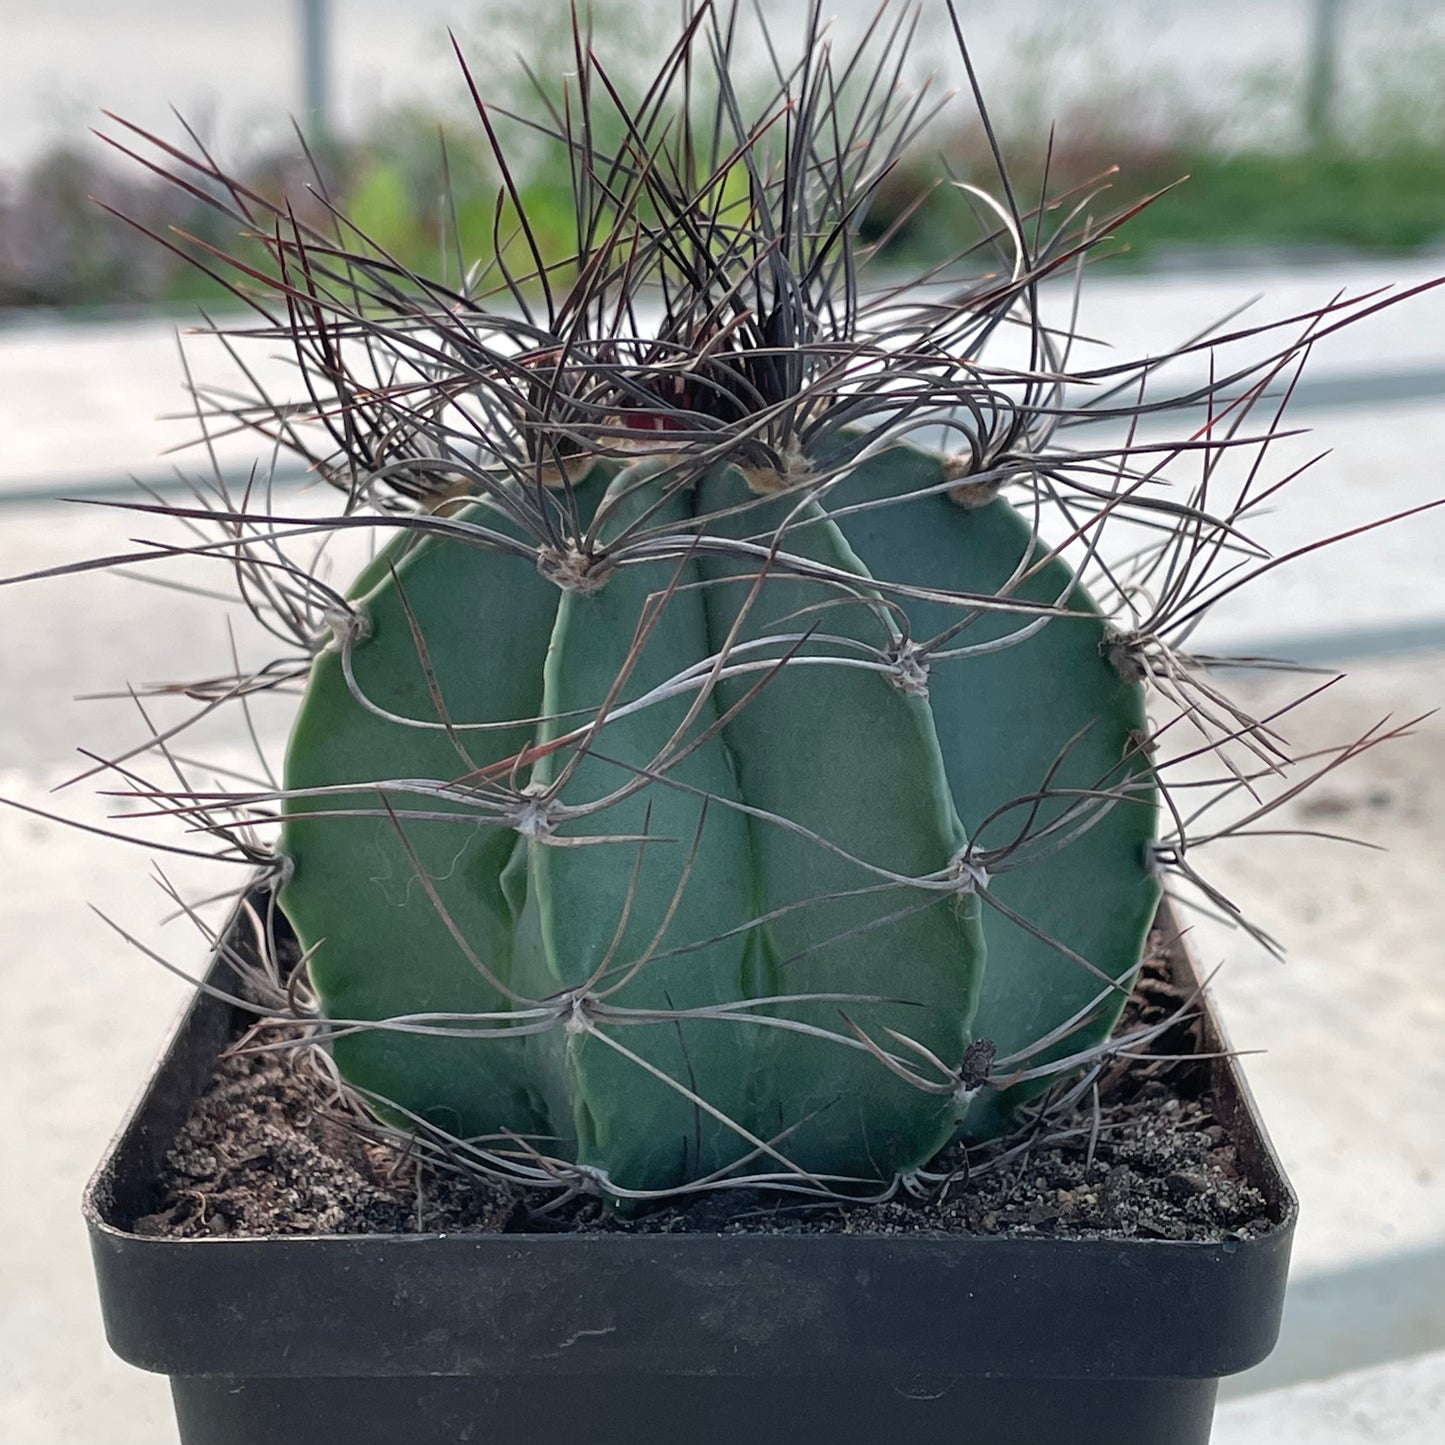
[(267, 1151)]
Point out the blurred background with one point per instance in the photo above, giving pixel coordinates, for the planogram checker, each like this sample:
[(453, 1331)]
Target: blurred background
[(1315, 124), (1313, 133)]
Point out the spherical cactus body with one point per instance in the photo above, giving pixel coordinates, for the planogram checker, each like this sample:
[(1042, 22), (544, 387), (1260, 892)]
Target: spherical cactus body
[(713, 850)]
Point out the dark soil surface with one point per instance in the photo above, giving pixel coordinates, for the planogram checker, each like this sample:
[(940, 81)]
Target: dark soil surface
[(268, 1150)]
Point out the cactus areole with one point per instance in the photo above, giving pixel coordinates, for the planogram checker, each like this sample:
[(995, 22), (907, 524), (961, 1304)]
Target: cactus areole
[(705, 857)]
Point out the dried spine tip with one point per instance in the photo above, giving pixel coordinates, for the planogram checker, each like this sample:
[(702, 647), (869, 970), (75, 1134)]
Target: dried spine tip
[(572, 569)]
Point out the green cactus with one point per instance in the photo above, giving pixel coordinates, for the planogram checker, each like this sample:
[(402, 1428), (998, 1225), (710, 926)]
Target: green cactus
[(721, 772), (779, 808)]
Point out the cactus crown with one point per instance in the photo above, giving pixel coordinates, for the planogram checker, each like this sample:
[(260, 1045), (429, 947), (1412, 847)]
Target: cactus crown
[(732, 763)]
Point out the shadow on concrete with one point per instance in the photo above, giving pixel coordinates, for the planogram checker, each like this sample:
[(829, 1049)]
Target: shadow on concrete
[(1350, 1319)]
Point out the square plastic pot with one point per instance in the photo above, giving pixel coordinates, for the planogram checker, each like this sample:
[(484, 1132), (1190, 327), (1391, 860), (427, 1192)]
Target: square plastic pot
[(653, 1339)]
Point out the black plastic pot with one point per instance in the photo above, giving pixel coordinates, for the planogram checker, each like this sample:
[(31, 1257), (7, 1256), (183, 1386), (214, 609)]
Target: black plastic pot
[(648, 1339)]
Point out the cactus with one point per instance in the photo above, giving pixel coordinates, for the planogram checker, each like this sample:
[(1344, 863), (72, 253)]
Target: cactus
[(732, 765)]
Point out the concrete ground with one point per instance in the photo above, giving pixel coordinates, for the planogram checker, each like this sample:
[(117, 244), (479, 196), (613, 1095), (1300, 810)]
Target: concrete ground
[(1351, 1028)]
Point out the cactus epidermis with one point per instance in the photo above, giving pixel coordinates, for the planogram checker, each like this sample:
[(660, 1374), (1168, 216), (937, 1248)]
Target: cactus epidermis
[(712, 933)]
